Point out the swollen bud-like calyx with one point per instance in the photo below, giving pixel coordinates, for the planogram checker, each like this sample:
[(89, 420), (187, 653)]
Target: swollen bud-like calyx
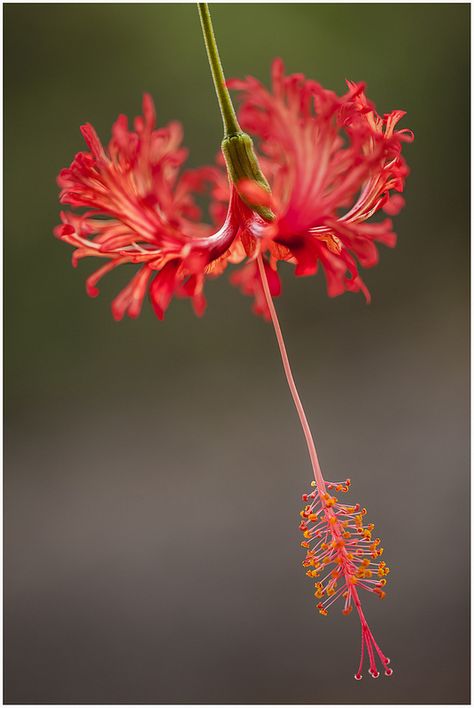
[(242, 165), (241, 161)]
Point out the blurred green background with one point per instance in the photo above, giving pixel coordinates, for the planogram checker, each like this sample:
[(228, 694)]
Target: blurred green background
[(153, 470)]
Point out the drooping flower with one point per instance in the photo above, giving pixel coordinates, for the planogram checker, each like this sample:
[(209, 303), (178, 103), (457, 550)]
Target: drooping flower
[(332, 162), (339, 546)]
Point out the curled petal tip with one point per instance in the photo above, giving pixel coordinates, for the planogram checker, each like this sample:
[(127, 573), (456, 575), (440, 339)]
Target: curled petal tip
[(93, 141), (92, 291)]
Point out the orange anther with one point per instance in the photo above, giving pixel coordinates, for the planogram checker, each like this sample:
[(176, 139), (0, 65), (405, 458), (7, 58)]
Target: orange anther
[(347, 610)]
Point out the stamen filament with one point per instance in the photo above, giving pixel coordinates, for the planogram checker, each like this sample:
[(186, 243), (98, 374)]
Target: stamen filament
[(313, 455)]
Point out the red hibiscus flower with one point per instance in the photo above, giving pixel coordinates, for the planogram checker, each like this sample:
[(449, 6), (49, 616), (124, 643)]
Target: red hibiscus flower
[(327, 165), (331, 162)]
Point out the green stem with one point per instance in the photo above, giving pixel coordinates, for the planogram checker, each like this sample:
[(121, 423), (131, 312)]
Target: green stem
[(231, 124)]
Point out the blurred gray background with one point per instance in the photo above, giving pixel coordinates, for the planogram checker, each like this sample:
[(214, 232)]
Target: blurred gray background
[(153, 471)]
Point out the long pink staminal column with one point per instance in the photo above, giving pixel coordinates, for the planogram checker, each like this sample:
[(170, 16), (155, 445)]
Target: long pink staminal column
[(291, 381), (342, 539)]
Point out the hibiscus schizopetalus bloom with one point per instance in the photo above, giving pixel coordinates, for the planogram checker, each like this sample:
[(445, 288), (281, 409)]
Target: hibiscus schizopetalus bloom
[(332, 162), (326, 165)]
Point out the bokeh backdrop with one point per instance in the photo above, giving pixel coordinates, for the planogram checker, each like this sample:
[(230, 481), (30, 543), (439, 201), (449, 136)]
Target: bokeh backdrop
[(153, 471)]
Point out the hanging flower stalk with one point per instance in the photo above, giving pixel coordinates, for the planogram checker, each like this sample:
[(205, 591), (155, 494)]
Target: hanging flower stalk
[(326, 165)]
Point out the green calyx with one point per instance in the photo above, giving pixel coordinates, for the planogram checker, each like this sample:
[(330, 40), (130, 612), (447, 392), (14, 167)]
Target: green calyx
[(242, 164), (241, 161)]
